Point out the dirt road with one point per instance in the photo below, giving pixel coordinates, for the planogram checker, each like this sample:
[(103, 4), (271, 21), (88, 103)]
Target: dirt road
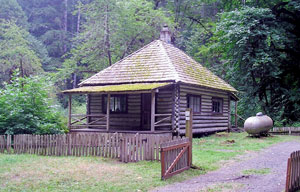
[(264, 171)]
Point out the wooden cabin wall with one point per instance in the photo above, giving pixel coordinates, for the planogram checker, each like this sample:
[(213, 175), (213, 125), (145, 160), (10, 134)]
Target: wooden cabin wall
[(130, 120), (164, 102), (204, 121)]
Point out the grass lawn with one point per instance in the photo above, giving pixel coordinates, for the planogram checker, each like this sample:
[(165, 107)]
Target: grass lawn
[(39, 173)]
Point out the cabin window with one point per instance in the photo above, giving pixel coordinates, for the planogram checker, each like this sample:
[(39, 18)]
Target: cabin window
[(118, 103), (194, 102), (217, 105)]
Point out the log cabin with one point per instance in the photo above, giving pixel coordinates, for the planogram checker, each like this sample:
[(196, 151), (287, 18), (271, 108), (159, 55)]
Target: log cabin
[(149, 91)]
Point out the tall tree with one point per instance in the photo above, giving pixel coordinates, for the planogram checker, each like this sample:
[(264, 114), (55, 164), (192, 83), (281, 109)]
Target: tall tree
[(10, 10), (16, 51), (258, 49), (112, 30)]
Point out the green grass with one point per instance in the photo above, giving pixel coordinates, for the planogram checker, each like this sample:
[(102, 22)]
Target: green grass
[(263, 171), (208, 152), (42, 173), (223, 187)]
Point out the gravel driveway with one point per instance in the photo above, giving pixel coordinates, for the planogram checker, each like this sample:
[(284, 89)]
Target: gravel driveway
[(233, 177)]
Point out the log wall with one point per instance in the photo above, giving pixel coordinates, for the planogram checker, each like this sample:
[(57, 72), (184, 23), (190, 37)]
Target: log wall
[(164, 102), (126, 121), (205, 121)]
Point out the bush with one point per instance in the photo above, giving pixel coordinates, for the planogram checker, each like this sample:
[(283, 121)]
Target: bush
[(26, 108)]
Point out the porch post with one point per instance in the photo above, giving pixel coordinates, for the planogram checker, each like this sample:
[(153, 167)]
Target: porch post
[(235, 113), (152, 111), (229, 113), (70, 110), (107, 111)]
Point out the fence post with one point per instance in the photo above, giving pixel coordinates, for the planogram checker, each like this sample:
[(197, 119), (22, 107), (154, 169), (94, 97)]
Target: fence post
[(8, 143), (288, 175), (189, 131)]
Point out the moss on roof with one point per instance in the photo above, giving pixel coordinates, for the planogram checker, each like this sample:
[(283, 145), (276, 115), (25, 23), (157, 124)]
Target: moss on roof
[(158, 62), (117, 88)]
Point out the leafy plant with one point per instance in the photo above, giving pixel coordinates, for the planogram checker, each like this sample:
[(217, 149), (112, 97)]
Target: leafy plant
[(25, 108)]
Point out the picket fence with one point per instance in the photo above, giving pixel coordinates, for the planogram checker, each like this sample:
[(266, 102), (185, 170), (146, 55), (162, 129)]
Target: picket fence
[(126, 147), (285, 130), (293, 172)]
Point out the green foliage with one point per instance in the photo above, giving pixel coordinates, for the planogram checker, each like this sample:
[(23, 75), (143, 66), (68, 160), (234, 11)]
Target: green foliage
[(10, 10), (112, 30), (257, 53), (16, 51), (25, 108)]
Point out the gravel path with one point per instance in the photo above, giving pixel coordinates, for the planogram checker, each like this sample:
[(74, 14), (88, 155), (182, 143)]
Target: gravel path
[(273, 159)]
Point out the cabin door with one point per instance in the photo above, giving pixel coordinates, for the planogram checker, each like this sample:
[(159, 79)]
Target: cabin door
[(146, 111)]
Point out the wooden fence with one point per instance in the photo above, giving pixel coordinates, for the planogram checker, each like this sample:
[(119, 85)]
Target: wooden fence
[(285, 130), (127, 147), (175, 157), (5, 143), (141, 147), (293, 172)]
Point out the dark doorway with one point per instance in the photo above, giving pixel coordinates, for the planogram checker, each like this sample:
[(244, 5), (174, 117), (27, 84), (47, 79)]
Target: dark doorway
[(146, 111)]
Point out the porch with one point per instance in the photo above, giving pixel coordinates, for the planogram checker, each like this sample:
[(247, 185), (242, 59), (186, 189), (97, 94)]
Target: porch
[(141, 108)]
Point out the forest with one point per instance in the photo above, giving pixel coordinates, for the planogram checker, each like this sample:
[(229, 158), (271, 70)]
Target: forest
[(47, 46)]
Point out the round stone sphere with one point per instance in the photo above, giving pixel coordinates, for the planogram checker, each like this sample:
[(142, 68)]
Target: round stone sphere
[(258, 125)]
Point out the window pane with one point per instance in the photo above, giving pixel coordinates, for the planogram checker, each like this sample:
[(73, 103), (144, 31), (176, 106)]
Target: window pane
[(112, 99), (217, 105), (194, 103)]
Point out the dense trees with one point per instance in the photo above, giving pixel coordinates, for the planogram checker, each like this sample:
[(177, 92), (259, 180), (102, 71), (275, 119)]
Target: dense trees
[(253, 44), (258, 52), (113, 29), (16, 51)]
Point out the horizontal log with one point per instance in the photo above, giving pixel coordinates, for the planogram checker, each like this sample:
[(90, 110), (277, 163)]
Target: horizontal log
[(206, 130), (213, 91), (205, 121)]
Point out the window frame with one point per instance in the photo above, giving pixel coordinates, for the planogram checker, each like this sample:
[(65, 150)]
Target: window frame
[(221, 105), (104, 109), (188, 102)]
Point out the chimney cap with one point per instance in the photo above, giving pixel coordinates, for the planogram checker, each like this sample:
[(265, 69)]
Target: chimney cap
[(165, 34)]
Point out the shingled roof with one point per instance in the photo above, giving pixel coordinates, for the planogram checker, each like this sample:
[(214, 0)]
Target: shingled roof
[(158, 62)]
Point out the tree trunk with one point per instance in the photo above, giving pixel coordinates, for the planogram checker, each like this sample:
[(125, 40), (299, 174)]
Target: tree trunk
[(65, 24), (21, 68), (78, 20), (74, 80), (107, 37)]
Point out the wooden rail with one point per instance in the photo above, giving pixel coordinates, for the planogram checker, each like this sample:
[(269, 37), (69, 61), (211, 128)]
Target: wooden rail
[(175, 157), (83, 120), (293, 172), (165, 120)]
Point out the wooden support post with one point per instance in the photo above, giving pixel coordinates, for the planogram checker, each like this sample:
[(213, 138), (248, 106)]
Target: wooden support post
[(189, 130), (70, 111), (235, 114), (107, 111), (88, 108), (229, 113), (152, 111)]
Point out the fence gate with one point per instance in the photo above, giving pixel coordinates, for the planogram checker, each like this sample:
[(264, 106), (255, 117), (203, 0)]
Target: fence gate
[(293, 172), (175, 157)]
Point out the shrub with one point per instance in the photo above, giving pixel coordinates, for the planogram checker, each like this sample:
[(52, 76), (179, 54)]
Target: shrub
[(26, 108)]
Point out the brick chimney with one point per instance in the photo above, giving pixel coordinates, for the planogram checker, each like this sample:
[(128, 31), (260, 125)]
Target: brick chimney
[(165, 34)]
